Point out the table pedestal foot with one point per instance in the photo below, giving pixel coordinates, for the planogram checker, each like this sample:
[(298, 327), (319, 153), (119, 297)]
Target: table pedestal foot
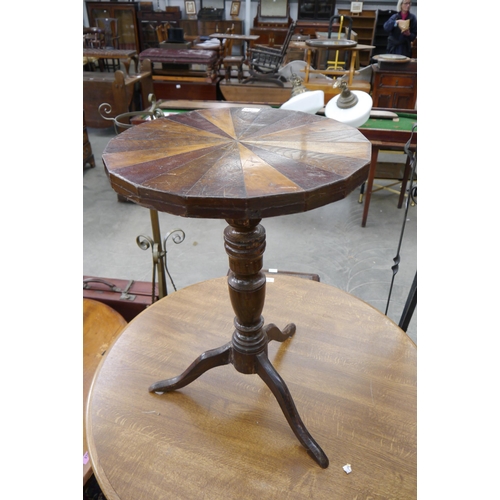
[(274, 333), (204, 362), (276, 384), (245, 241)]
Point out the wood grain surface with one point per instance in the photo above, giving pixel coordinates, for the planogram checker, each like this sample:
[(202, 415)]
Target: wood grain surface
[(351, 372), (101, 325), (241, 163)]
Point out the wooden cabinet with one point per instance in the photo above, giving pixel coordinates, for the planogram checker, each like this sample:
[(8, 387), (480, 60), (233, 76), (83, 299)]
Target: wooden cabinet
[(126, 15), (148, 21), (194, 28), (364, 26), (269, 35), (395, 88), (315, 9)]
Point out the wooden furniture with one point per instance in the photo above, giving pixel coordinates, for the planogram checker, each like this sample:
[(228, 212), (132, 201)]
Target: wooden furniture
[(193, 29), (395, 86), (315, 10), (179, 65), (117, 90), (228, 59), (88, 156), (126, 15), (351, 369), (149, 21), (350, 72), (93, 38), (101, 325), (364, 26), (388, 135), (241, 165), (126, 56), (272, 22), (264, 62)]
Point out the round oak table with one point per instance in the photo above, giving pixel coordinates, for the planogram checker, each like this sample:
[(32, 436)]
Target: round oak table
[(352, 372), (240, 164)]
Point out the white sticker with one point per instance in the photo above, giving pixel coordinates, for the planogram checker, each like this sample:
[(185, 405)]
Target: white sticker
[(273, 270), (251, 110), (347, 468), (269, 280)]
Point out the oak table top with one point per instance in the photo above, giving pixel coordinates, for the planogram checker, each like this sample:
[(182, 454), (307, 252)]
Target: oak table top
[(351, 370)]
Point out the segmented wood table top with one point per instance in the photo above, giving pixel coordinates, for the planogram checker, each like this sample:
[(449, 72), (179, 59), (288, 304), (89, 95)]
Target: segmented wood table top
[(241, 163)]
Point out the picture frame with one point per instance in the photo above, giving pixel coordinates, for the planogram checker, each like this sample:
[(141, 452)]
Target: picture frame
[(235, 8), (356, 7), (190, 7)]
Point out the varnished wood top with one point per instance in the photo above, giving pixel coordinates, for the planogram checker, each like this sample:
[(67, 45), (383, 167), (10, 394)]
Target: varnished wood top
[(237, 162), (101, 325), (108, 53), (350, 370)]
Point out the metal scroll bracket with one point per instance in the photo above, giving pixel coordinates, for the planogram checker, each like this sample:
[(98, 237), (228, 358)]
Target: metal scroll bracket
[(159, 254)]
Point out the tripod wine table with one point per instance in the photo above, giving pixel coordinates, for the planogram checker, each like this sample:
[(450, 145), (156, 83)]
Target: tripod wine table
[(241, 165)]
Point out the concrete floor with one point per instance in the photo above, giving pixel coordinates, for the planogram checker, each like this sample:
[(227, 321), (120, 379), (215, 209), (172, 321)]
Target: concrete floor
[(328, 241)]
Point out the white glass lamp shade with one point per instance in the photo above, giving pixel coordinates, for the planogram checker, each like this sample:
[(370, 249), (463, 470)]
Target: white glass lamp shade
[(355, 116), (308, 102)]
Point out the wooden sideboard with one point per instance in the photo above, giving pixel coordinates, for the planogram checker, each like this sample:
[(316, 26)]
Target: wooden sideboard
[(395, 87)]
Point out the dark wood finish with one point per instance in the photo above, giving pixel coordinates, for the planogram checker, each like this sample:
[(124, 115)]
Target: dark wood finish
[(395, 87), (115, 89), (271, 32), (127, 297), (148, 21), (315, 10), (126, 56), (238, 164), (125, 13), (101, 325), (264, 62), (193, 28), (353, 374), (364, 25), (88, 156)]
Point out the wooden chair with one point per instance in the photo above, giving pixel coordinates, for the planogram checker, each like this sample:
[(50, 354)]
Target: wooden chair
[(340, 20), (264, 62), (117, 90), (101, 325), (162, 32), (93, 38), (229, 61), (111, 39)]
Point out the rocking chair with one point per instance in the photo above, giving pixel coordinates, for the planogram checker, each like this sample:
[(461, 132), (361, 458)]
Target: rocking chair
[(264, 62)]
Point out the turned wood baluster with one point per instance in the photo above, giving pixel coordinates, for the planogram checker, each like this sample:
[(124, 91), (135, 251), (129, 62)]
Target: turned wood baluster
[(245, 242)]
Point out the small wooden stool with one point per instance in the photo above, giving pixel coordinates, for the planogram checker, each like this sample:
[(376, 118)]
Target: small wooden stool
[(229, 62)]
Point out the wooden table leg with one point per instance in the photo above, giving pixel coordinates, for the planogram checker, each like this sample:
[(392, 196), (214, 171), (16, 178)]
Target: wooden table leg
[(369, 184), (245, 242), (352, 67)]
